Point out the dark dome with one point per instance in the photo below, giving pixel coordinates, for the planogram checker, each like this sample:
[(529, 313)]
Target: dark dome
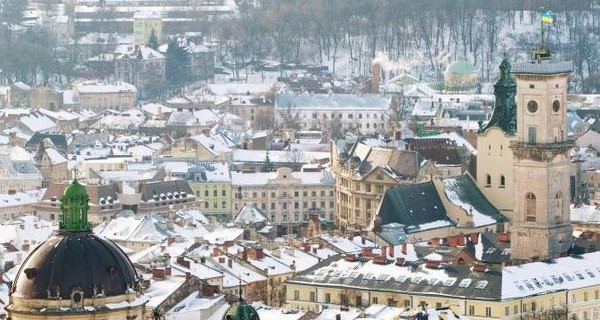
[(75, 261)]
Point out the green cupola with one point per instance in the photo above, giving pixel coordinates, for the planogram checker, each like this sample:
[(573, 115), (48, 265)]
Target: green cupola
[(74, 205), (505, 109)]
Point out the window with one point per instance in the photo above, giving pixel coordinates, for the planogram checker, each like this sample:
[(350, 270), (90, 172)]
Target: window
[(532, 135), (296, 194), (197, 193), (530, 207), (296, 295), (556, 106), (305, 193), (206, 205), (502, 181), (304, 205), (206, 193), (296, 205), (215, 193), (471, 310), (360, 115), (215, 205), (223, 204), (273, 194), (559, 204), (272, 205), (284, 194), (596, 295), (313, 193), (407, 303), (585, 296), (533, 306), (312, 296), (254, 195), (532, 106), (516, 309), (328, 298), (506, 311), (375, 300), (331, 193), (263, 206), (350, 115), (488, 311), (284, 205), (488, 180), (368, 187), (322, 193), (223, 193), (52, 217)]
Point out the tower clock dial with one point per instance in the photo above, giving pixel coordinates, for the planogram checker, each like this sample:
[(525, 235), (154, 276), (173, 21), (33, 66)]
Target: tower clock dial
[(556, 106), (532, 106)]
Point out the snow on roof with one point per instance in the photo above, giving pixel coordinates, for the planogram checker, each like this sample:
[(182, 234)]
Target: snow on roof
[(345, 245), (233, 274), (291, 256), (17, 153), (458, 192), (270, 266), (38, 122), (214, 145), (261, 178), (26, 229), (123, 52), (70, 97), (124, 120), (250, 214), (585, 214), (426, 109), (459, 139), (222, 234), (332, 314), (224, 89), (95, 86), (560, 274), (160, 290), (241, 155), (334, 102), (156, 108), (55, 156), (147, 15), (195, 303), (266, 312)]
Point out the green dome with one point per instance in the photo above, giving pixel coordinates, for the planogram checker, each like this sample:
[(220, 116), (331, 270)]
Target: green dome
[(241, 311), (461, 67), (74, 205), (74, 191)]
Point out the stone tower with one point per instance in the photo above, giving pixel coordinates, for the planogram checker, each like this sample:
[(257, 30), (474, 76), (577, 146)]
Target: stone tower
[(541, 220), (494, 157)]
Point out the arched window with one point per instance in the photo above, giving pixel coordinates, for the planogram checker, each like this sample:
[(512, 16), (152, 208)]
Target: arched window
[(530, 207), (488, 180), (559, 205), (502, 181)]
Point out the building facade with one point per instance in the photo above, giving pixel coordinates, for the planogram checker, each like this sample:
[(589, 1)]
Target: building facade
[(285, 197), (144, 23), (98, 96), (541, 219)]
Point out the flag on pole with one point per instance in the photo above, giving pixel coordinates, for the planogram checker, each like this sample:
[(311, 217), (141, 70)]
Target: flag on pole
[(548, 17)]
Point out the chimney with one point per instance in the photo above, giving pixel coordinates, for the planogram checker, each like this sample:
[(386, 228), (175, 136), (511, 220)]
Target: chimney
[(259, 254), (170, 240), (245, 254), (367, 252), (320, 245), (400, 261), (216, 252), (350, 257), (379, 259), (376, 74), (188, 275), (230, 263), (392, 252), (452, 242), (474, 238), (479, 267), (158, 273), (25, 247), (208, 291), (338, 316), (314, 250), (203, 260), (8, 265), (363, 240), (383, 250), (221, 259), (432, 264), (22, 226), (435, 242), (168, 271), (504, 237), (404, 249), (162, 248)]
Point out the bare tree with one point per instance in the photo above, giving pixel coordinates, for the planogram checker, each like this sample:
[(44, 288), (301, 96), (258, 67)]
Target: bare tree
[(295, 157), (289, 117)]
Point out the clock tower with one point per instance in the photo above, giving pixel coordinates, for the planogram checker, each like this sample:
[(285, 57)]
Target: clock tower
[(541, 221)]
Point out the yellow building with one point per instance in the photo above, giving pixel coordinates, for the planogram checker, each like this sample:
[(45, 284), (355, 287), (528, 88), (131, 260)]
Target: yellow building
[(569, 284), (286, 197), (98, 96), (364, 173), (494, 157), (144, 23)]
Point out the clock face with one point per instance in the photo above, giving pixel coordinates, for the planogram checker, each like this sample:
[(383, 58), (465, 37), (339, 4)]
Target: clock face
[(532, 106), (556, 106)]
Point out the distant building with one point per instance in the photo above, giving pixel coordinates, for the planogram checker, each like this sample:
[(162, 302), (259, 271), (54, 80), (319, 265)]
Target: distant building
[(141, 66), (144, 23), (363, 114), (98, 96), (286, 197), (460, 75), (211, 183)]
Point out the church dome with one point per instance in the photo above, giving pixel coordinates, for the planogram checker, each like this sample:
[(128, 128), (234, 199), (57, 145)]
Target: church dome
[(75, 262), (241, 311), (460, 75), (460, 67)]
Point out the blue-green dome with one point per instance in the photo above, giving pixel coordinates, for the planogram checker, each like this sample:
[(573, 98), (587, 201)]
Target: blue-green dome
[(461, 67)]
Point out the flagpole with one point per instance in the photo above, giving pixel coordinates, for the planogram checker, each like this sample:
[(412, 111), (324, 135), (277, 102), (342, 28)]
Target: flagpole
[(542, 26)]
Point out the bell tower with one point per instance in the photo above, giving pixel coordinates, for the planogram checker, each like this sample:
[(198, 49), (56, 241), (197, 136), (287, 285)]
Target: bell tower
[(541, 221)]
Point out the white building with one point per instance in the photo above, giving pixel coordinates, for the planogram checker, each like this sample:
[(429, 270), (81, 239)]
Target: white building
[(363, 114)]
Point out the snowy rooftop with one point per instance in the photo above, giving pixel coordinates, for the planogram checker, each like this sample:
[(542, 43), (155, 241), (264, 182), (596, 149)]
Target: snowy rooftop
[(262, 178), (334, 102), (241, 155), (94, 86)]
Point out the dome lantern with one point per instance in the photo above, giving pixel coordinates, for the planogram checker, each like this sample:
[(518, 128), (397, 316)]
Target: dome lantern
[(74, 206)]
